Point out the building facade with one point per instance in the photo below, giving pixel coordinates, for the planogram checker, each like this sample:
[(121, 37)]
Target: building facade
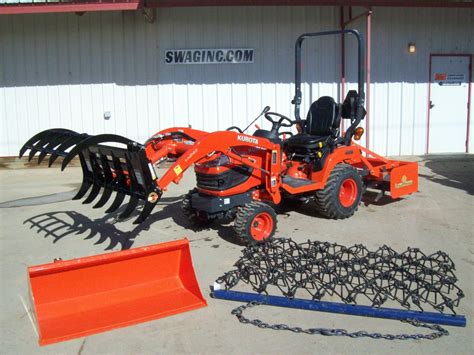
[(112, 72)]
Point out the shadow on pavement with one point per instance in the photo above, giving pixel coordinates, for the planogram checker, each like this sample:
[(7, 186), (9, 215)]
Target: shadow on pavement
[(62, 224), (452, 171)]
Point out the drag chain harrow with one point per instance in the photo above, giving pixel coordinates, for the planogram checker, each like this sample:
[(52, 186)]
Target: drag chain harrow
[(322, 269)]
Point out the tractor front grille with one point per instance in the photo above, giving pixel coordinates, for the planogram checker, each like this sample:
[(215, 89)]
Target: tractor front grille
[(224, 181)]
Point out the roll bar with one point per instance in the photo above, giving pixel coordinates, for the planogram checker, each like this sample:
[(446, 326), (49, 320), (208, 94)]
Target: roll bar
[(360, 111)]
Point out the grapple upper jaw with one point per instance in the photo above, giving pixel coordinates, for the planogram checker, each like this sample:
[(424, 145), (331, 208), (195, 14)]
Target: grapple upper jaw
[(55, 141)]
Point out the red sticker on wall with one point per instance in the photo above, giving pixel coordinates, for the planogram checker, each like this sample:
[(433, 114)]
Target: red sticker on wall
[(440, 76)]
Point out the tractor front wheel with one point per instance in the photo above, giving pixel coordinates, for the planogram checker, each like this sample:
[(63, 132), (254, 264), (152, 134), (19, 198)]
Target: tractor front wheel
[(255, 222), (341, 196), (192, 215)]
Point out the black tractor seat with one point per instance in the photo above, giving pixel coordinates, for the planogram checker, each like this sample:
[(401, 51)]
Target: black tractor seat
[(304, 140), (320, 128)]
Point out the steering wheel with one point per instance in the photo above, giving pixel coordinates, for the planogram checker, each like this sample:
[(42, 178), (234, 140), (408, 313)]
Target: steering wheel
[(282, 122)]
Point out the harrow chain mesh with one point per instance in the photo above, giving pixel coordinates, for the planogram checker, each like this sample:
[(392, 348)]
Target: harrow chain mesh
[(322, 270)]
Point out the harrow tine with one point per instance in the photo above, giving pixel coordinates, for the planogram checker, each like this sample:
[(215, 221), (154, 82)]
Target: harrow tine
[(147, 208), (132, 205)]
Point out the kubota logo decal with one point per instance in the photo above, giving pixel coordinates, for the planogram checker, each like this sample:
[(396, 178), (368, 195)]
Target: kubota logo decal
[(405, 182), (191, 155), (247, 139)]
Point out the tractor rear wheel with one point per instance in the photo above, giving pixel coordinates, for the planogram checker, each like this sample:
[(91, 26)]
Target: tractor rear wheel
[(255, 222), (192, 215), (341, 196)]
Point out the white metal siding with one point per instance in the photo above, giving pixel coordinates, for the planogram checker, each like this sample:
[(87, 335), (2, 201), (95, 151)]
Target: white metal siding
[(64, 70)]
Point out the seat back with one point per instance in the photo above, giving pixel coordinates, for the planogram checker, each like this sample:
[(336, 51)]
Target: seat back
[(323, 117)]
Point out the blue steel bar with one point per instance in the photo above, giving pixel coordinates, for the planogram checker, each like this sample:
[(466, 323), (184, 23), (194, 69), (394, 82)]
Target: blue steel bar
[(334, 307)]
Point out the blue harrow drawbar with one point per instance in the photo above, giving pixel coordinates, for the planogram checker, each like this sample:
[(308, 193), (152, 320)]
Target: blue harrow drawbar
[(334, 307)]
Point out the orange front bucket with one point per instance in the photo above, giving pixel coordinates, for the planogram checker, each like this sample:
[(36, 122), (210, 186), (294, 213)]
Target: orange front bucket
[(89, 295)]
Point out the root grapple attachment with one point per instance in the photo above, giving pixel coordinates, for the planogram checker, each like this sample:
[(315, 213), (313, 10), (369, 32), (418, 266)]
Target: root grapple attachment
[(124, 170)]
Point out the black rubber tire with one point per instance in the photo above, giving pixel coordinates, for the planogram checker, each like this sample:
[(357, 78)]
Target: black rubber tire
[(191, 213), (327, 200), (244, 218)]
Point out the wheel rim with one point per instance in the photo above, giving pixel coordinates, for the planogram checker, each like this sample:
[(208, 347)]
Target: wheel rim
[(261, 226), (348, 192)]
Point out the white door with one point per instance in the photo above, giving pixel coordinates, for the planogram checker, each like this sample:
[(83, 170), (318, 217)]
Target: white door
[(449, 94)]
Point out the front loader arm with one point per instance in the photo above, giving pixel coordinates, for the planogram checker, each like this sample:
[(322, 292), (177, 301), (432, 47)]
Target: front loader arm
[(127, 167), (224, 142), (171, 142)]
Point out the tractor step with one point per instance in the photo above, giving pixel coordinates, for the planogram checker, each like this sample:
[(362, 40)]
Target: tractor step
[(124, 170), (295, 182)]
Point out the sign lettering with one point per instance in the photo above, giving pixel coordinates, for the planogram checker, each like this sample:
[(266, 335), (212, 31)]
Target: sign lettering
[(209, 56)]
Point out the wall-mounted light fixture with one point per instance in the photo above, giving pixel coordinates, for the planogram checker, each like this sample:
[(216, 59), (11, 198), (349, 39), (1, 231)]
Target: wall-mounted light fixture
[(411, 48)]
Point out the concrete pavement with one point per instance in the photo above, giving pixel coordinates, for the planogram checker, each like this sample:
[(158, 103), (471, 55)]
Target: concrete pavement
[(40, 223)]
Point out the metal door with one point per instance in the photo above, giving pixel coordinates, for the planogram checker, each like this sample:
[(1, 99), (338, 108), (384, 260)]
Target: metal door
[(449, 99)]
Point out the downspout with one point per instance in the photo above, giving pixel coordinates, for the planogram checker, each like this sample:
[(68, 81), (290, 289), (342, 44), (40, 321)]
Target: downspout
[(344, 24), (343, 61), (368, 74)]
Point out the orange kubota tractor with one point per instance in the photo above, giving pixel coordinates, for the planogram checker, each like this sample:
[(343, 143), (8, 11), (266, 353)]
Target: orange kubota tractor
[(240, 176)]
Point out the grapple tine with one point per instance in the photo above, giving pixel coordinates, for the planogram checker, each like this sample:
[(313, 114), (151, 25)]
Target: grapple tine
[(96, 178), (117, 202), (45, 139), (91, 141), (94, 192), (86, 179), (54, 143), (132, 205), (39, 136), (104, 198), (39, 144), (74, 139), (120, 184), (108, 180), (147, 208), (82, 190)]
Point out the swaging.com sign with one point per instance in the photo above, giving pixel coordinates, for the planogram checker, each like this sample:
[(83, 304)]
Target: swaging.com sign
[(209, 56)]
